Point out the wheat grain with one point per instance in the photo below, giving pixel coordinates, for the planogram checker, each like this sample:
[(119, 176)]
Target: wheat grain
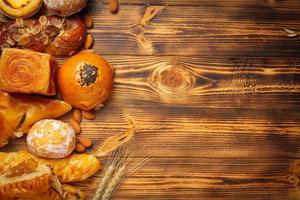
[(120, 165), (113, 183)]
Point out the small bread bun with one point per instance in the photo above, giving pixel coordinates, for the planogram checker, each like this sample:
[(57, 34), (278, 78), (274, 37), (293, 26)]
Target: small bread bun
[(85, 80), (51, 138), (20, 8), (65, 8)]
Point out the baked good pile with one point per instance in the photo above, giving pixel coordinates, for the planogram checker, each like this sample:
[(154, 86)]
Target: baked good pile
[(35, 90)]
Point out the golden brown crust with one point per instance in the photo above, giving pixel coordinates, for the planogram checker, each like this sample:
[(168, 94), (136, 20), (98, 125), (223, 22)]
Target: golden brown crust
[(65, 8), (25, 180), (24, 71), (55, 35), (85, 80), (19, 112), (76, 167), (20, 8), (70, 40)]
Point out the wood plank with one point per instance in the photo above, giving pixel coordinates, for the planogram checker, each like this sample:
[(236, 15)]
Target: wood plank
[(205, 31), (214, 90), (291, 4), (214, 145)]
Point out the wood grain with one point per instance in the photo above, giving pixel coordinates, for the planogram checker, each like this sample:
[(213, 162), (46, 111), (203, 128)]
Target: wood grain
[(188, 30), (213, 88)]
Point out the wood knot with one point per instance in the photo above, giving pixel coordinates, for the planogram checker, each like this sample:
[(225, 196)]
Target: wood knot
[(292, 180), (172, 79)]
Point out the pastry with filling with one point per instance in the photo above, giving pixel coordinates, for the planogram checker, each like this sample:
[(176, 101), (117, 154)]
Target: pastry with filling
[(20, 8), (25, 71), (85, 80)]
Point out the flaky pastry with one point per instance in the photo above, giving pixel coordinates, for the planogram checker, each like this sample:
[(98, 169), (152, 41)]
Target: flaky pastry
[(76, 167), (19, 112), (25, 71), (27, 180)]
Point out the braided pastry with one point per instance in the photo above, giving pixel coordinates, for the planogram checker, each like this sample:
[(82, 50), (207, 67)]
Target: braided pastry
[(54, 35)]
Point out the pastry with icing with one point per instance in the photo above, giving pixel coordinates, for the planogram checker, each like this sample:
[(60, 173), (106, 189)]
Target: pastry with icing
[(51, 138)]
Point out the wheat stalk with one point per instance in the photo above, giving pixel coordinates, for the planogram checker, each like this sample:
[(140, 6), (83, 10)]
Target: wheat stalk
[(119, 166), (113, 183), (103, 182)]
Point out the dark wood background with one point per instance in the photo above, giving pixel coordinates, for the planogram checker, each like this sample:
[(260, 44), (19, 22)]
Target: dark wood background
[(214, 90)]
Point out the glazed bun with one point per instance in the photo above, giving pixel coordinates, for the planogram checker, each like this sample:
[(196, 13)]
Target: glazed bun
[(65, 8), (85, 80), (51, 138), (20, 8)]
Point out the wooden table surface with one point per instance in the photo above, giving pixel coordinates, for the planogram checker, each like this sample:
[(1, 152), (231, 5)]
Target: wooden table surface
[(214, 90)]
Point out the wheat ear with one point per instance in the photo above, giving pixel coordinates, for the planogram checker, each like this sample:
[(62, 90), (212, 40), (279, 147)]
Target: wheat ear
[(103, 182), (113, 183)]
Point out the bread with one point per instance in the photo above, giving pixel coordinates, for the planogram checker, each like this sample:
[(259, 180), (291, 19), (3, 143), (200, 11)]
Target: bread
[(24, 71), (85, 80), (26, 180), (31, 180), (76, 167), (19, 112), (54, 35), (65, 8), (20, 8), (51, 138)]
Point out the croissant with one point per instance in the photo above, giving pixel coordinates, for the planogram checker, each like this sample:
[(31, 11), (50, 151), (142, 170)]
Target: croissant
[(77, 167), (19, 112), (24, 71), (54, 35)]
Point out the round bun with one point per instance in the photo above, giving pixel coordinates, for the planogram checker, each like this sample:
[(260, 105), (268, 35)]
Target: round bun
[(85, 80), (20, 8), (65, 8), (51, 138)]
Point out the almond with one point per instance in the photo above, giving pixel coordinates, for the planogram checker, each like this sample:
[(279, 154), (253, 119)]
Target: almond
[(99, 106), (86, 142), (88, 21), (113, 6), (75, 125), (88, 41), (77, 115), (79, 148), (88, 115)]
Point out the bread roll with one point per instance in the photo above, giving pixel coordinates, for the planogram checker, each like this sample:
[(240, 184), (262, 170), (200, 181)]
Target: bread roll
[(85, 80), (65, 8), (51, 139)]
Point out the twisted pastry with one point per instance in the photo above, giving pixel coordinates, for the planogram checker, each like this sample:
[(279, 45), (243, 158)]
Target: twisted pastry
[(54, 35)]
